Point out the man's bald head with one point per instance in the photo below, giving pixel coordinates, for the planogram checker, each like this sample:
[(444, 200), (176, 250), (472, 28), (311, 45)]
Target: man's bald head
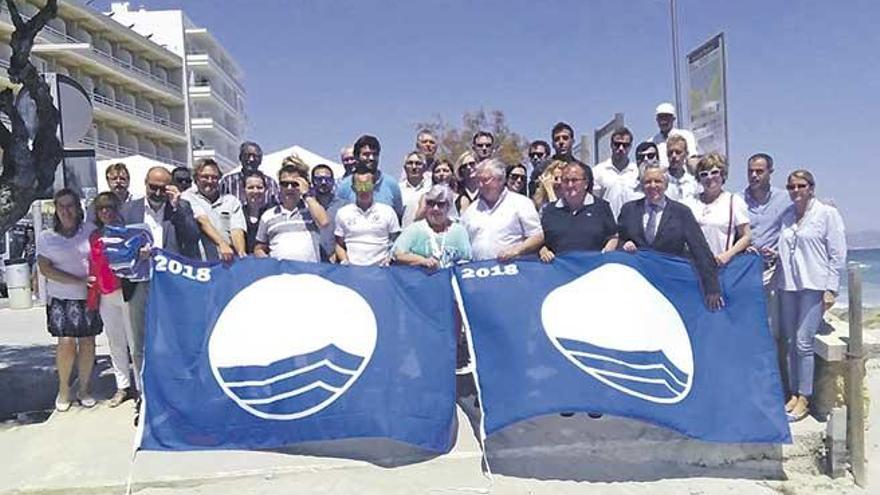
[(157, 174)]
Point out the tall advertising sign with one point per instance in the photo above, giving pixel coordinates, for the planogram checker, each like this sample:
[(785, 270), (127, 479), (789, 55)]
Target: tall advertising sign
[(707, 80)]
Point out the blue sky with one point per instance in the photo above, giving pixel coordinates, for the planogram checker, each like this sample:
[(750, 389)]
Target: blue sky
[(321, 72)]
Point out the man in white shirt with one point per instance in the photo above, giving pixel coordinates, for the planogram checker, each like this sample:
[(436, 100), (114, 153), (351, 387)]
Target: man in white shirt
[(365, 229), (220, 216), (501, 224), (665, 114), (682, 185), (415, 183), (617, 178), (291, 230)]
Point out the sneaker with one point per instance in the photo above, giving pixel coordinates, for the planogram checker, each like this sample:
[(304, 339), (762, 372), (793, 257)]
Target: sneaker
[(62, 405), (121, 395), (86, 400)]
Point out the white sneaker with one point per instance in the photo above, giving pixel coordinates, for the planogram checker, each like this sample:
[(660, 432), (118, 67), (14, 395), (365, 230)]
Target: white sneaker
[(86, 400)]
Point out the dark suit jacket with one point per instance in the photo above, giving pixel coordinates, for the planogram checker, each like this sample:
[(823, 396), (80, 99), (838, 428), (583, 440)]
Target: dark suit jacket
[(180, 231), (678, 234)]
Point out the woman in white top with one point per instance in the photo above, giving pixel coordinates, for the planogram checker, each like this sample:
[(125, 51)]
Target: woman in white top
[(812, 253), (722, 215), (63, 258)]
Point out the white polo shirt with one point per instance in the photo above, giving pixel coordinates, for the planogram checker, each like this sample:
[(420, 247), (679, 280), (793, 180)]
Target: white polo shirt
[(290, 235), (510, 221), (367, 233), (225, 213), (616, 186)]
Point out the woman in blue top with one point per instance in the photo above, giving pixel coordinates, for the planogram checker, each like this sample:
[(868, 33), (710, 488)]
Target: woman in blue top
[(436, 241), (812, 253)]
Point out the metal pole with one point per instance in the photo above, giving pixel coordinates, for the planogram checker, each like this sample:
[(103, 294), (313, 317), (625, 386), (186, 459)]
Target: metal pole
[(677, 73), (855, 376)]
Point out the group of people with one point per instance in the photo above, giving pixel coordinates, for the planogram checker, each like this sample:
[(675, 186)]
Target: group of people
[(443, 212)]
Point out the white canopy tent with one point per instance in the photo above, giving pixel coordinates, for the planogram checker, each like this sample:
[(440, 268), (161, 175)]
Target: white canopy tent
[(137, 165), (272, 161)]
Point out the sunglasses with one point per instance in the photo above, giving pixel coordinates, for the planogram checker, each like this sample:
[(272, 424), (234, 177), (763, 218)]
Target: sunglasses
[(362, 187), (155, 187), (469, 165), (618, 144), (323, 180), (412, 162), (517, 177), (288, 184), (648, 156), (537, 155), (483, 145), (436, 204), (705, 174), (796, 187)]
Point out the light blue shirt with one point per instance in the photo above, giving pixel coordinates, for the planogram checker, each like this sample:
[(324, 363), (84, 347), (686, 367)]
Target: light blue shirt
[(766, 218), (386, 192), (812, 254)]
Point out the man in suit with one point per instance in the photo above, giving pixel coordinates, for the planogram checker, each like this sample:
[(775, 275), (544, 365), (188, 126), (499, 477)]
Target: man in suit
[(174, 228), (661, 224)]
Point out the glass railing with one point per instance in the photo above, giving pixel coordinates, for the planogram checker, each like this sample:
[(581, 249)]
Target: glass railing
[(109, 102)]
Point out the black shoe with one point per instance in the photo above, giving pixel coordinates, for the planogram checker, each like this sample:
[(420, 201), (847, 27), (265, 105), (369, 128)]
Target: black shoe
[(594, 415), (566, 414)]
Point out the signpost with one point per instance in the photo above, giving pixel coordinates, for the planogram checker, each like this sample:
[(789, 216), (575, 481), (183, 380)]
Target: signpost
[(707, 96)]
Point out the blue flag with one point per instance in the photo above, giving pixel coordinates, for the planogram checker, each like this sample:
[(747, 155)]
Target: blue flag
[(265, 353), (628, 335), (122, 245)]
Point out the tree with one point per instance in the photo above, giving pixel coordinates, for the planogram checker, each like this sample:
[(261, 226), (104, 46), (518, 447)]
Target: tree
[(28, 165), (453, 141)]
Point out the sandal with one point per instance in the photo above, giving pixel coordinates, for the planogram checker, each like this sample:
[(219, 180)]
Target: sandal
[(86, 400), (121, 395), (794, 416), (62, 405)]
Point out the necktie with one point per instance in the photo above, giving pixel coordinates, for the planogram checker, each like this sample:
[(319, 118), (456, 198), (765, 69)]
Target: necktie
[(651, 226)]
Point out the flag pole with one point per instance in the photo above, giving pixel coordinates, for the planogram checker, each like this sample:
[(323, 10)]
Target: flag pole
[(673, 18)]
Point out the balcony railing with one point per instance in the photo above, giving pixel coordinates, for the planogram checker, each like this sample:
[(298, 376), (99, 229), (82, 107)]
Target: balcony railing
[(214, 123), (149, 117), (222, 68), (56, 35), (199, 89), (118, 149)]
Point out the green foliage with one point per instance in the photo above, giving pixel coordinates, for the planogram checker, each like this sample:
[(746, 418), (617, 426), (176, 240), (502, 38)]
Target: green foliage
[(452, 141)]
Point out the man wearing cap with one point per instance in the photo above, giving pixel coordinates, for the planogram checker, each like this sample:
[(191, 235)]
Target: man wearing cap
[(665, 113)]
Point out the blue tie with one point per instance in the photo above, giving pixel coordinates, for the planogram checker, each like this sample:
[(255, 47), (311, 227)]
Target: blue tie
[(651, 227)]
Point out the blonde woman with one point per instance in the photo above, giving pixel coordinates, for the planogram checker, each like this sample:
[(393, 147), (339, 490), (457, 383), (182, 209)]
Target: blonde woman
[(722, 215), (466, 172), (548, 184)]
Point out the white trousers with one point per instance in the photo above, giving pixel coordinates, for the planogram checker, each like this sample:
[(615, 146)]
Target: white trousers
[(114, 314)]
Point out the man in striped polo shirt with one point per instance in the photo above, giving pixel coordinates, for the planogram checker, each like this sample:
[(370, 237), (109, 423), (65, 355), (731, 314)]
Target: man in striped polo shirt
[(291, 230)]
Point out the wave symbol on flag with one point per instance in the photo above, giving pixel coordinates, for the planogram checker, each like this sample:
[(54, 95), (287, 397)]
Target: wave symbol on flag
[(614, 325), (288, 346)]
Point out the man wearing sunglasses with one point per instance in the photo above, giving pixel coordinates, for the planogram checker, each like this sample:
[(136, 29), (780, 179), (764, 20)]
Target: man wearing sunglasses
[(539, 157), (617, 178), (366, 229), (483, 145), (323, 189), (181, 177), (366, 150), (290, 230)]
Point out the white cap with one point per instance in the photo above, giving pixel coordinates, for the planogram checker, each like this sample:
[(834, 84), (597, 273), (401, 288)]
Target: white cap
[(666, 108)]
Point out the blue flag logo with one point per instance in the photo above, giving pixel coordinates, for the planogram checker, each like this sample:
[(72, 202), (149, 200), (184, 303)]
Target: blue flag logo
[(641, 351), (273, 376)]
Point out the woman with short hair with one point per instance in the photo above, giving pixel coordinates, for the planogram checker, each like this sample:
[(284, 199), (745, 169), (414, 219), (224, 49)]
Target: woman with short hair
[(812, 254), (436, 241), (517, 178), (63, 258), (722, 215)]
